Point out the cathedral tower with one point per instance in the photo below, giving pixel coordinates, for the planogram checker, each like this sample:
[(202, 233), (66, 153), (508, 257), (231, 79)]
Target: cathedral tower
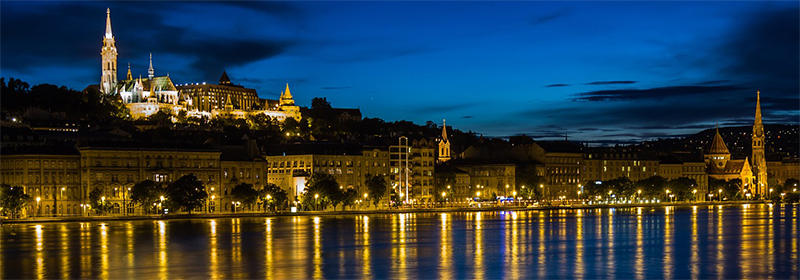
[(286, 97), (444, 145), (759, 162), (108, 81)]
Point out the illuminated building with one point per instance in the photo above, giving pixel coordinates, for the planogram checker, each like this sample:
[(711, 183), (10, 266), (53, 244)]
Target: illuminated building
[(289, 166), (146, 96), (759, 160), (50, 174), (719, 164), (444, 145)]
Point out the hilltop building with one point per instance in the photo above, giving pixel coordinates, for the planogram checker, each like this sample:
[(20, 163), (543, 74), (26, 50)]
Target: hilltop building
[(146, 96)]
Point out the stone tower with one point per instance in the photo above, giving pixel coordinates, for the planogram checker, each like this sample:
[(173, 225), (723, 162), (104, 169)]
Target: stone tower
[(286, 97), (759, 162), (444, 145), (108, 81)]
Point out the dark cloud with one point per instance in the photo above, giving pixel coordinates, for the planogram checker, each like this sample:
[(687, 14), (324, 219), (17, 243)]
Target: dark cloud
[(715, 82), (611, 83), (652, 93), (552, 16), (445, 108), (467, 117), (334, 87), (557, 85), (29, 35)]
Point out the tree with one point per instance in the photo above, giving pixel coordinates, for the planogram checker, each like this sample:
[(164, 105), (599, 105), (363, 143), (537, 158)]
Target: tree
[(682, 188), (187, 193), (442, 183), (652, 187), (321, 189), (98, 202), (273, 196), (526, 176), (245, 194), (349, 197), (12, 200), (376, 187), (320, 103), (733, 189), (146, 193)]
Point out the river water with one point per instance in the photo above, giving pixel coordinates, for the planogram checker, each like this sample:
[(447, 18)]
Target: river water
[(738, 241)]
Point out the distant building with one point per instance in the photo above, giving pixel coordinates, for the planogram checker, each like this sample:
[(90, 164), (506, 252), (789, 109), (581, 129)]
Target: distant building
[(720, 165), (759, 159), (444, 145)]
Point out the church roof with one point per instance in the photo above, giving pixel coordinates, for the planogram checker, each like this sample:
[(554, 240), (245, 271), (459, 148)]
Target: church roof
[(164, 83), (224, 80), (718, 145), (732, 167)]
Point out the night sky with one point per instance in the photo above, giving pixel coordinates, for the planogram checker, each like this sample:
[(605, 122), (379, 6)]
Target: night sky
[(593, 70)]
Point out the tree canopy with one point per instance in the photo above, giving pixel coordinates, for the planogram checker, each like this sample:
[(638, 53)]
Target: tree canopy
[(186, 193), (12, 200)]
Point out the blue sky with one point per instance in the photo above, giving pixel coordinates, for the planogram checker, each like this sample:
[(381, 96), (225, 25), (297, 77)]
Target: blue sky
[(594, 70)]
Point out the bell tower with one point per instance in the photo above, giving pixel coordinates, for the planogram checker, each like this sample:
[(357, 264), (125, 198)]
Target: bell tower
[(108, 81), (444, 144), (759, 161)]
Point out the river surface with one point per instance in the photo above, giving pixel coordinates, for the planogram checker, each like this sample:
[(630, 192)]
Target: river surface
[(754, 241)]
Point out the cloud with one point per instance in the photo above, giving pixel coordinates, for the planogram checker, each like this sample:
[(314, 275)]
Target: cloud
[(557, 85), (467, 117), (611, 83), (334, 87), (445, 108), (651, 93), (551, 16)]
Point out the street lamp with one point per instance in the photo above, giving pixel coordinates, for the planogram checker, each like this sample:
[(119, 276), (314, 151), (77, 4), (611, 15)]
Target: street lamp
[(316, 196), (38, 207)]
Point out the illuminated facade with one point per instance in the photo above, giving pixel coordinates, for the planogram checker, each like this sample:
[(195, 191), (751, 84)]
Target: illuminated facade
[(146, 96), (444, 145), (759, 160), (51, 177), (719, 164), (291, 171)]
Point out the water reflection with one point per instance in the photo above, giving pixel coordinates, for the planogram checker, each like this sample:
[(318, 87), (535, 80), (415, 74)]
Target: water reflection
[(752, 241)]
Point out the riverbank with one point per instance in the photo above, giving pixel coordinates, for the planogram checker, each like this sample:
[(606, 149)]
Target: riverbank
[(361, 212)]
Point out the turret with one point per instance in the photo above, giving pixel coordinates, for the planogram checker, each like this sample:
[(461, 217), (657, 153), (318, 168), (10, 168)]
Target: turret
[(108, 79)]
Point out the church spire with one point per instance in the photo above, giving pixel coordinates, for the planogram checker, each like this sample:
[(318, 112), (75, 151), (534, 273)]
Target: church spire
[(108, 24), (444, 130), (108, 79), (129, 76), (758, 108), (286, 97), (150, 71), (718, 145)]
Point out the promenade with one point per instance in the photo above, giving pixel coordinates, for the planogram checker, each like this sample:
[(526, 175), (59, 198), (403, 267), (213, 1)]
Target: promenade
[(95, 218)]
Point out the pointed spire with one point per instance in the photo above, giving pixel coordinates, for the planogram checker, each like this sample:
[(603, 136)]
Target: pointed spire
[(718, 145), (108, 24), (224, 80), (444, 130), (150, 71), (286, 97), (758, 107), (129, 76)]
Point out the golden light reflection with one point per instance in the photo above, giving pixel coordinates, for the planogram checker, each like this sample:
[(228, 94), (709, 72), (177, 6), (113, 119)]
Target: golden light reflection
[(39, 256), (64, 249), (268, 259), (720, 245), (236, 246), (668, 243), (541, 262), (611, 249), (213, 254), (130, 242), (695, 268), (103, 251), (366, 267), (579, 265), (478, 271), (445, 251), (639, 258), (317, 250), (86, 250), (162, 250)]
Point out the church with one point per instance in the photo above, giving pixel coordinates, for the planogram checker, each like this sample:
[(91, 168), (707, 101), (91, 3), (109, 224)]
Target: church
[(146, 96), (753, 175)]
